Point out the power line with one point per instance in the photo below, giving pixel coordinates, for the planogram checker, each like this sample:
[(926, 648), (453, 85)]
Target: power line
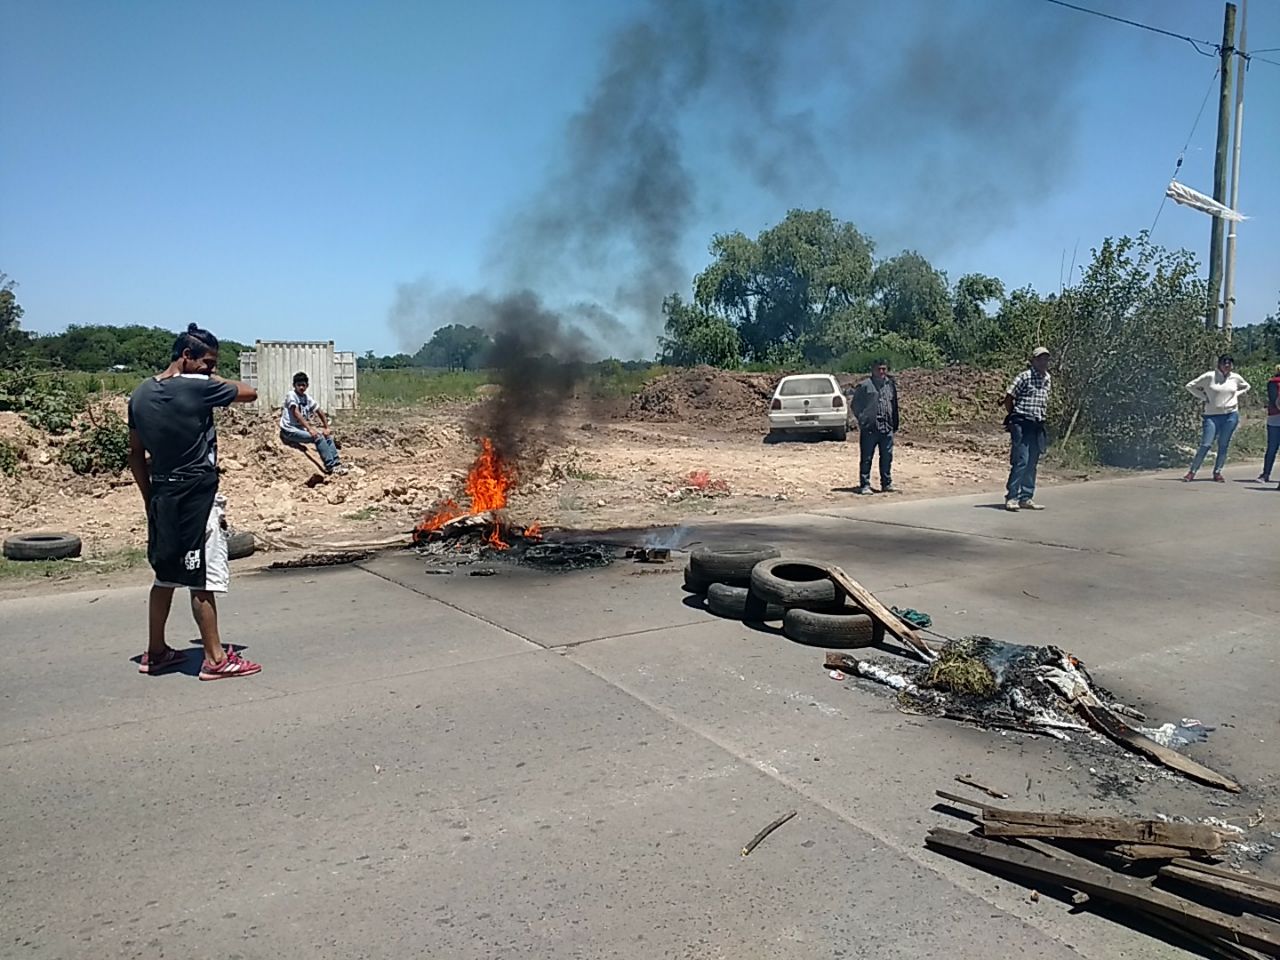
[(1182, 154), (1214, 48)]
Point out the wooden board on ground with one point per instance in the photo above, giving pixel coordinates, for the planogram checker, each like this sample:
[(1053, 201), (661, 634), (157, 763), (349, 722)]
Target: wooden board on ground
[(1106, 722), (997, 821), (1250, 898), (1103, 884), (1148, 851), (879, 612), (1216, 871)]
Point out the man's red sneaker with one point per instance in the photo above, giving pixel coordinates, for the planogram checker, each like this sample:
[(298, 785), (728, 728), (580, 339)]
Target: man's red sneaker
[(233, 666), (1219, 478), (1189, 477)]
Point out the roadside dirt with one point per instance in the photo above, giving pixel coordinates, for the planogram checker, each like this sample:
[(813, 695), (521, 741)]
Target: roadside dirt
[(628, 462)]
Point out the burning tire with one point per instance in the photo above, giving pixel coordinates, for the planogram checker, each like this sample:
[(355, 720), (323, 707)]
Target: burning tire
[(739, 603), (730, 565), (831, 629), (795, 583), (41, 546)]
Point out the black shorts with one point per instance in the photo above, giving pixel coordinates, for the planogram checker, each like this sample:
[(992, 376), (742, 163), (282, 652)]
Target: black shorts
[(178, 518)]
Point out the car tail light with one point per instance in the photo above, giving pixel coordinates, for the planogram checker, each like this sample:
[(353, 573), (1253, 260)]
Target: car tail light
[(776, 405), (837, 401)]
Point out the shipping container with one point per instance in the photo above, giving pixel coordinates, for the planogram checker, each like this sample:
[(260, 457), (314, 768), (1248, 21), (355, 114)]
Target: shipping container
[(270, 367)]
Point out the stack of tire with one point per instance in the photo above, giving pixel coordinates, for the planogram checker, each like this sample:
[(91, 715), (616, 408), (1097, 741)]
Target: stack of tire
[(756, 584)]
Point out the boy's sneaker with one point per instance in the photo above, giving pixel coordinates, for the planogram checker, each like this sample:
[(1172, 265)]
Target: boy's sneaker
[(1219, 478), (166, 661), (863, 490), (886, 486), (1012, 506), (340, 470), (1029, 505), (1189, 477), (1264, 479), (233, 666)]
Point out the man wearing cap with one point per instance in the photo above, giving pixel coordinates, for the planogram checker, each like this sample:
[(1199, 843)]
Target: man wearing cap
[(1027, 405)]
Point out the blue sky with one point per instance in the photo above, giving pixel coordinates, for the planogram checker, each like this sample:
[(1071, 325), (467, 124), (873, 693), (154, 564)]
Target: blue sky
[(279, 169)]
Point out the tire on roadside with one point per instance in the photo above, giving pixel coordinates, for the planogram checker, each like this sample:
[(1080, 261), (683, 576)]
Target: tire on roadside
[(830, 629), (694, 583), (240, 544), (739, 603), (42, 546), (795, 583), (731, 564)]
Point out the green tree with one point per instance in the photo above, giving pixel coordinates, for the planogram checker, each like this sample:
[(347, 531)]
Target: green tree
[(13, 341), (694, 336), (972, 332), (1125, 340), (455, 347), (912, 295), (795, 289)]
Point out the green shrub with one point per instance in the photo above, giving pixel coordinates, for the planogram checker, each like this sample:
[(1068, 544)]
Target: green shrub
[(10, 455), (49, 402), (902, 352), (101, 447)]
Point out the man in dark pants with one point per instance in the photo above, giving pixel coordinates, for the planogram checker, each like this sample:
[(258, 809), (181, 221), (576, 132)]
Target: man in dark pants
[(1027, 405), (171, 419), (875, 406)]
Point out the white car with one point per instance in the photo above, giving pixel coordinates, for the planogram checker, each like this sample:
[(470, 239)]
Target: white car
[(808, 403)]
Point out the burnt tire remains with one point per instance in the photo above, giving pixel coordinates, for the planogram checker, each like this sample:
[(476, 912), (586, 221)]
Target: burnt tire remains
[(795, 583), (730, 564), (831, 629), (42, 546), (739, 603)]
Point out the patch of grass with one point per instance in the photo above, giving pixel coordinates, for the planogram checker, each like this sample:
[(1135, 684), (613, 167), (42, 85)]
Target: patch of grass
[(935, 411), (406, 387), (612, 381), (960, 670), (114, 562), (364, 513), (118, 383), (1078, 453)]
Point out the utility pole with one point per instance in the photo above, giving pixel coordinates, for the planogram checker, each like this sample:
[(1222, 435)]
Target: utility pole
[(1229, 294), (1220, 165)]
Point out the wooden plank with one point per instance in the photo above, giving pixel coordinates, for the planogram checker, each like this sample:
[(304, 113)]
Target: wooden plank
[(879, 612), (1184, 836), (1252, 899), (1216, 871), (1103, 884), (1106, 722), (1148, 851), (1190, 835)]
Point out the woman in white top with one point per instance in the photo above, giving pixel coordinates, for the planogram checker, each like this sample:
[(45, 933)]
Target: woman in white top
[(1220, 390)]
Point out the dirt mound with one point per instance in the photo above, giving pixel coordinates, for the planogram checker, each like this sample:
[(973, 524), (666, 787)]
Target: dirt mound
[(704, 395)]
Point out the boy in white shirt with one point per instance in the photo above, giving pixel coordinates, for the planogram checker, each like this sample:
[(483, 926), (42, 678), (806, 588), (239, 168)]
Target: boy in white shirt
[(295, 425)]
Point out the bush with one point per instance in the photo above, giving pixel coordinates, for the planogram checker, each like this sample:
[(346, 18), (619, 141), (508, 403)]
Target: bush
[(10, 455), (49, 402), (101, 447), (902, 352)]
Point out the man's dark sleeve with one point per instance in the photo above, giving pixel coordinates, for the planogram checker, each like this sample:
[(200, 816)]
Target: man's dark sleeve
[(132, 425), (219, 393)]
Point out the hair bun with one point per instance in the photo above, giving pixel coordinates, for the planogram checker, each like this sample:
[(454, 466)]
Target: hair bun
[(192, 327)]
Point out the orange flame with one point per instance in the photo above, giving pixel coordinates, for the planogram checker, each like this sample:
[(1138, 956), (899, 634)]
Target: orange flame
[(488, 483)]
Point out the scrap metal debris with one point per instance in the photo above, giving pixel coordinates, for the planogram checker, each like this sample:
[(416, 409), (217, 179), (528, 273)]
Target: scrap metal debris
[(321, 560)]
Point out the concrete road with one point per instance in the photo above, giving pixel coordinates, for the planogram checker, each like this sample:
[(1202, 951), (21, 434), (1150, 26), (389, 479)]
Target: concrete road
[(568, 766)]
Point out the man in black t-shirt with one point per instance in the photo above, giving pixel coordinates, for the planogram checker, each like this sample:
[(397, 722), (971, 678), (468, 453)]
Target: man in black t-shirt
[(171, 419)]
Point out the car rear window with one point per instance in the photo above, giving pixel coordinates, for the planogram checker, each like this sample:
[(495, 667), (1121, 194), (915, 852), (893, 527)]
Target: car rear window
[(807, 387)]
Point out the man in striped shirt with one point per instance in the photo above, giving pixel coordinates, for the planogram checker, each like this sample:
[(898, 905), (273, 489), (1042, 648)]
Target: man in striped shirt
[(1027, 405)]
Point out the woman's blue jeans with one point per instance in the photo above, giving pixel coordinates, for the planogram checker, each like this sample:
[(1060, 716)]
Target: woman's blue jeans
[(1220, 426)]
